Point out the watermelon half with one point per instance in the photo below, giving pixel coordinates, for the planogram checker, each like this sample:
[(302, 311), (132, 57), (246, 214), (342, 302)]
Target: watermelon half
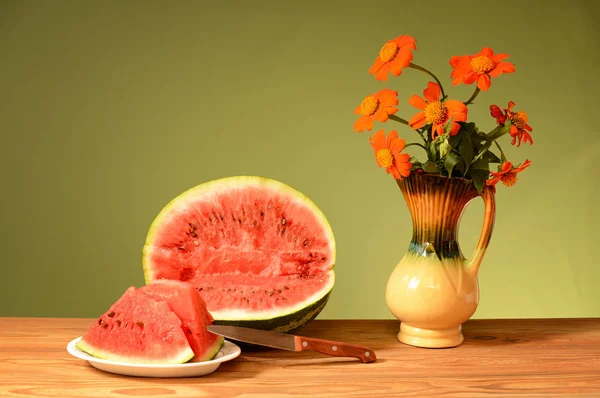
[(260, 253)]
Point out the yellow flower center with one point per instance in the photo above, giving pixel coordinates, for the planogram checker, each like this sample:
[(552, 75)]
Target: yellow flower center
[(385, 158), (482, 64), (435, 112), (388, 51), (509, 179), (519, 119), (369, 105)]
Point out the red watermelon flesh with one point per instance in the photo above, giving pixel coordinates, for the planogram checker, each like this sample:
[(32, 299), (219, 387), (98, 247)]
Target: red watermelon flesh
[(138, 329), (185, 301), (250, 246)]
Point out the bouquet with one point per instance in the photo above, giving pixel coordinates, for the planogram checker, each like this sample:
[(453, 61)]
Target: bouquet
[(454, 146)]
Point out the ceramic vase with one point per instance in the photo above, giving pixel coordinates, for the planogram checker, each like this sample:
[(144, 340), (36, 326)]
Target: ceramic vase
[(434, 289)]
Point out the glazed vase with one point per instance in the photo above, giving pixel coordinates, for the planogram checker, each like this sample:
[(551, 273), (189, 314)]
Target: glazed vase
[(434, 289)]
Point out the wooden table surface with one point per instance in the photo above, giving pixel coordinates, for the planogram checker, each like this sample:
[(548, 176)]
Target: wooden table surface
[(527, 358)]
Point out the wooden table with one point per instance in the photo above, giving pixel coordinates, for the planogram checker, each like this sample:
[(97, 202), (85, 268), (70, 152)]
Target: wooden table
[(527, 358)]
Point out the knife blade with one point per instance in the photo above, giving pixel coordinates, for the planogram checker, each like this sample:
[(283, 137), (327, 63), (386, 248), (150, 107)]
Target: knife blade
[(292, 342)]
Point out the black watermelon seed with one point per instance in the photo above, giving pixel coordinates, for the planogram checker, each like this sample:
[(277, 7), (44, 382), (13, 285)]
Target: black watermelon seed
[(118, 322), (140, 324)]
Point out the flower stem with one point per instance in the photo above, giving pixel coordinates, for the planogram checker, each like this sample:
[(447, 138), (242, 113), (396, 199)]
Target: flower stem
[(502, 157), (475, 94), (398, 119), (417, 144), (417, 67)]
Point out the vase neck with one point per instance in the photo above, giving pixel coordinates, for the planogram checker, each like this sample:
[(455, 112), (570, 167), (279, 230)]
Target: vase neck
[(436, 204)]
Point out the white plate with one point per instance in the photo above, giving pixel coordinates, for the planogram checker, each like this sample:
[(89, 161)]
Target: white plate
[(227, 352)]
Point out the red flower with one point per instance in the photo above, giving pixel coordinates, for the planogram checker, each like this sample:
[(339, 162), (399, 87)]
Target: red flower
[(378, 106), (437, 112), (479, 67), (394, 56), (508, 174), (388, 156), (519, 128)]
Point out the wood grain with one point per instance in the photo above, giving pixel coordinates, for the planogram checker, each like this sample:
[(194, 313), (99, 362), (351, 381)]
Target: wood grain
[(517, 358)]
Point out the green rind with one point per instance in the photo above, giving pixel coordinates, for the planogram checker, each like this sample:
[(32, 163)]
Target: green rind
[(284, 322), (287, 323), (213, 351), (184, 356)]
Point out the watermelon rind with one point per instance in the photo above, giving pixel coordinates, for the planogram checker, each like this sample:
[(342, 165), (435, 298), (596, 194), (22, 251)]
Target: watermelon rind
[(182, 356), (211, 352), (287, 320)]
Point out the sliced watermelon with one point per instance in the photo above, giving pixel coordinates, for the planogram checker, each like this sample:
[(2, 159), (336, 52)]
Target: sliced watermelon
[(260, 253), (138, 329), (185, 301)]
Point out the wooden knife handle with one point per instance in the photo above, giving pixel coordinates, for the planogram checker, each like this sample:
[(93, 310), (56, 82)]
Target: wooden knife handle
[(334, 348)]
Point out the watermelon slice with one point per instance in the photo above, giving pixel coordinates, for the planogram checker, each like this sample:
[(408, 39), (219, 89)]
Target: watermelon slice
[(260, 253), (138, 329), (185, 301)]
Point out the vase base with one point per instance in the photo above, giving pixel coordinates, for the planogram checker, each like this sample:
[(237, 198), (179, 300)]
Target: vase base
[(430, 338)]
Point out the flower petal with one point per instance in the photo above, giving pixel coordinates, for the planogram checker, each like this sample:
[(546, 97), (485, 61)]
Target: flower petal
[(432, 92), (397, 146), (484, 82), (406, 41), (417, 121), (487, 52), (499, 57), (522, 167), (496, 112), (502, 67), (378, 140), (387, 95), (363, 123), (470, 77), (417, 102), (455, 128), (392, 136), (381, 115), (377, 64)]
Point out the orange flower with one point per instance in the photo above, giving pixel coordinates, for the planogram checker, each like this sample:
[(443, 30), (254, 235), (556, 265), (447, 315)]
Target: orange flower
[(479, 67), (437, 112), (519, 129), (387, 154), (378, 106), (508, 174), (394, 56)]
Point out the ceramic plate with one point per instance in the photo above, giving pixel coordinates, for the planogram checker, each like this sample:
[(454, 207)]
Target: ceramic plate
[(227, 352)]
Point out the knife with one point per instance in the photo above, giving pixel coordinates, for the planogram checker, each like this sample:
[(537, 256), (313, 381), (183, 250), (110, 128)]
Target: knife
[(292, 342)]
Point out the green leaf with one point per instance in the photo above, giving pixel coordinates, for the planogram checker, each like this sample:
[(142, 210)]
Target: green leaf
[(466, 150), (492, 158), (479, 177), (470, 127), (445, 148), (454, 140), (483, 163), (430, 167), (451, 160), (432, 151), (448, 126)]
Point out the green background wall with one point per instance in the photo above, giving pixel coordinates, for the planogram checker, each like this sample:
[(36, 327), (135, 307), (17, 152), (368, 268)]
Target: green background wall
[(110, 109)]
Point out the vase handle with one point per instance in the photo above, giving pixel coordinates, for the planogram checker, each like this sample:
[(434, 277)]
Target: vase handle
[(489, 216)]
